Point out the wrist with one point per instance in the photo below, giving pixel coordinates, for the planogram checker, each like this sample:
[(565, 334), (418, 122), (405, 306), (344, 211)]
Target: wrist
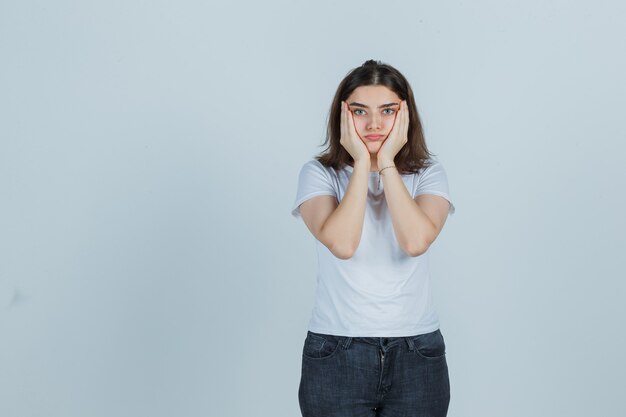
[(363, 162), (385, 162)]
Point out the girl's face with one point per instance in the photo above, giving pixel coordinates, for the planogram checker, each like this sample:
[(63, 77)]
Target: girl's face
[(374, 109)]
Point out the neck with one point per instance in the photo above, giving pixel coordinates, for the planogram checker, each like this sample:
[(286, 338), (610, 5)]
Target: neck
[(373, 163)]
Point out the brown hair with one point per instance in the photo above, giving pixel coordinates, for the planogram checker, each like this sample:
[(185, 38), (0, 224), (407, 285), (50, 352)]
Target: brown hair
[(413, 155)]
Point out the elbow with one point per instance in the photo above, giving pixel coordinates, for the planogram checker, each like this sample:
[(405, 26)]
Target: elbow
[(343, 251), (343, 256), (340, 246), (417, 249), (340, 249)]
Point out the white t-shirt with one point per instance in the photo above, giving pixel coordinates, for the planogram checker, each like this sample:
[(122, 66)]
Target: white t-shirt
[(380, 291)]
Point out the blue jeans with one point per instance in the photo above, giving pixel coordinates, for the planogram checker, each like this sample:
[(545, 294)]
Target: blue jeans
[(374, 376)]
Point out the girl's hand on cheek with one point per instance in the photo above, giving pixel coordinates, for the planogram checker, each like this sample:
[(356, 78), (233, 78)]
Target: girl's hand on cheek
[(350, 140), (398, 136)]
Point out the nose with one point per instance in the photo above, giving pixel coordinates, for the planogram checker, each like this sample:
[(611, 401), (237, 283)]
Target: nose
[(374, 122)]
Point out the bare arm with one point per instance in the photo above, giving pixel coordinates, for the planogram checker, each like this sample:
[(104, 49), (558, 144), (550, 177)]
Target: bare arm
[(416, 223), (339, 226)]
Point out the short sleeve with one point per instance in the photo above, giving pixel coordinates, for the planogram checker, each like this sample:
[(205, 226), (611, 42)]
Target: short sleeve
[(313, 180), (433, 180)]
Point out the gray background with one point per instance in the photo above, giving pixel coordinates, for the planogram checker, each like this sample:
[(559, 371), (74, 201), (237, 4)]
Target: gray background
[(148, 162)]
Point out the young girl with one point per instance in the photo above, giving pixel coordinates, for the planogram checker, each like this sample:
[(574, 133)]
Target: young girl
[(375, 201)]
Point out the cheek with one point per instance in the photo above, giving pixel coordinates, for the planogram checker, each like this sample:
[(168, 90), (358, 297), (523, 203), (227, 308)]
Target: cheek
[(389, 122), (360, 127)]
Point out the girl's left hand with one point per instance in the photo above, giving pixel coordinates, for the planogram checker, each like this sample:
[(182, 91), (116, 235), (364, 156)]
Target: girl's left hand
[(398, 136)]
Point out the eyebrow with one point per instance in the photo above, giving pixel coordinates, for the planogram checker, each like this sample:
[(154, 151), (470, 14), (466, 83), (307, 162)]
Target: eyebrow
[(355, 104)]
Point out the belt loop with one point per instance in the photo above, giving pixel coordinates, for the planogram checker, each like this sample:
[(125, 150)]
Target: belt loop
[(409, 341), (346, 342)]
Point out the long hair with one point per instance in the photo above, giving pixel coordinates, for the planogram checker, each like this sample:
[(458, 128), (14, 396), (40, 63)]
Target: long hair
[(414, 154)]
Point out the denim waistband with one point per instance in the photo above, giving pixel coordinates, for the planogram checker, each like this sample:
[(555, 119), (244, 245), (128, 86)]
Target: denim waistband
[(383, 342)]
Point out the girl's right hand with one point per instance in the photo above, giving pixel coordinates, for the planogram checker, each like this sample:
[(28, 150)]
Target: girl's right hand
[(350, 140)]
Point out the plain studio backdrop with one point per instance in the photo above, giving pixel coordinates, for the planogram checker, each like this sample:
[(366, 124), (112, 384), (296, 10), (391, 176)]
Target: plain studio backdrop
[(148, 163)]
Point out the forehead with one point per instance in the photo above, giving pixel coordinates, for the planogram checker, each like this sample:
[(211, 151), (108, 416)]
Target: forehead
[(373, 94)]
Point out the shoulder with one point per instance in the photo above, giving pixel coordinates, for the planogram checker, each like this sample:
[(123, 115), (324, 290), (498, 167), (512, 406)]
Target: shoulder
[(431, 166), (431, 176), (313, 166), (314, 174)]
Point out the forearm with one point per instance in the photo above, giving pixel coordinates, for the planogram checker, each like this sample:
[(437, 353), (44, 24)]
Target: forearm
[(345, 225), (413, 229)]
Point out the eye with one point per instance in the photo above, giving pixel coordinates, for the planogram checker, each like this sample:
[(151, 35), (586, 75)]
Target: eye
[(355, 112), (391, 111)]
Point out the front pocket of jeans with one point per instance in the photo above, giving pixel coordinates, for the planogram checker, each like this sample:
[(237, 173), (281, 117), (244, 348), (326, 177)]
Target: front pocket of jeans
[(430, 346), (317, 346)]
